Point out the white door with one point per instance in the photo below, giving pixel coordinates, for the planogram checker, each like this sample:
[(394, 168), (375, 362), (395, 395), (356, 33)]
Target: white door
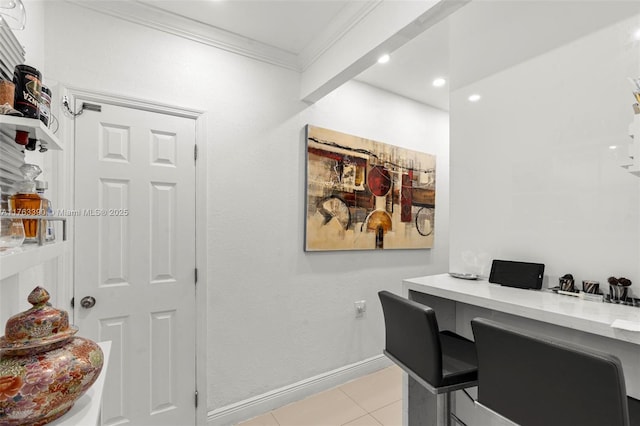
[(135, 255)]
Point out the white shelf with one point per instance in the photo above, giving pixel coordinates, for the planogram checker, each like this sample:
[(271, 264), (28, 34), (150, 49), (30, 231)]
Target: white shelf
[(35, 127), (631, 159), (29, 256)]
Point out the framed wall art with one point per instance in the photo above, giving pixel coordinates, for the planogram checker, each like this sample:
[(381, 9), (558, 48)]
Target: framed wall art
[(367, 195)]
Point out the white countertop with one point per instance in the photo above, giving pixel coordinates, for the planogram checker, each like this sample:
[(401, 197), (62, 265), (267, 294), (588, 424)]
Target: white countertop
[(541, 305)]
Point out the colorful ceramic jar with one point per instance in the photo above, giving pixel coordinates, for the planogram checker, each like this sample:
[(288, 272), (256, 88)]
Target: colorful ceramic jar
[(43, 368)]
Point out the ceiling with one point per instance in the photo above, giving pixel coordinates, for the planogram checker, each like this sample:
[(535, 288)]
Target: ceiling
[(485, 37), (479, 39)]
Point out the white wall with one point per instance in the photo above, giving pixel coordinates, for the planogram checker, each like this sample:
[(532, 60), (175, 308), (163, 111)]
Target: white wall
[(279, 314), (32, 37), (532, 175), (276, 315)]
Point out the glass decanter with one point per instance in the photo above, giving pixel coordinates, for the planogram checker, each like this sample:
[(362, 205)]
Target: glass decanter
[(27, 202)]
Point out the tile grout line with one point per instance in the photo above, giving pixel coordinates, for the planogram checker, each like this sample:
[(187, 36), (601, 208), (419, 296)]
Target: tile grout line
[(378, 409), (368, 414), (273, 416), (391, 403), (355, 402)]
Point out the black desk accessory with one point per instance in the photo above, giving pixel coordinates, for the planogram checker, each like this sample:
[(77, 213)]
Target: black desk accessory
[(598, 297), (517, 274)]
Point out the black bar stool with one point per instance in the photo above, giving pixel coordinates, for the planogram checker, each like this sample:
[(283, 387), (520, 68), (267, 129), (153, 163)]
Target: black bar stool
[(442, 362), (540, 381)]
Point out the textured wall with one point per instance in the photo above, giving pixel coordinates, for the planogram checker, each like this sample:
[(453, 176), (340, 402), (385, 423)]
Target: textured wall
[(276, 315)]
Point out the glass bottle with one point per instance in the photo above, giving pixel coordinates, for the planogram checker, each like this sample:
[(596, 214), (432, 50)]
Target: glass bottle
[(27, 202), (47, 210), (11, 230), (11, 234)]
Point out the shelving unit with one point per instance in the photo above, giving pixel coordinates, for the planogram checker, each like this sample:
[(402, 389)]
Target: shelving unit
[(631, 161), (29, 255), (35, 127)]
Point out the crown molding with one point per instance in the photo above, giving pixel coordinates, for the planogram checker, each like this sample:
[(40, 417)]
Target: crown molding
[(349, 17), (153, 17), (159, 19)]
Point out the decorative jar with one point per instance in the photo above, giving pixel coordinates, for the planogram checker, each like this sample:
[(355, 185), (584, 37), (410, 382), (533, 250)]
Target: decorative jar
[(44, 369), (567, 283), (618, 292), (591, 287)]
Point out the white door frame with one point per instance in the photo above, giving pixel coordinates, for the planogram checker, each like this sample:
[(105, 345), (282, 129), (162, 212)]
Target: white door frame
[(66, 175)]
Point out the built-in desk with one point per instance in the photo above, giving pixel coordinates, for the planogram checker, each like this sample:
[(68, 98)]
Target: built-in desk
[(604, 326)]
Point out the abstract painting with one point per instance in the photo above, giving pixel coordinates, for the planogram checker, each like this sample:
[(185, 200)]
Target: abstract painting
[(366, 195)]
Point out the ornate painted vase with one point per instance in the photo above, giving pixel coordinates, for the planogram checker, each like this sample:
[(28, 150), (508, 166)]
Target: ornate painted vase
[(44, 369)]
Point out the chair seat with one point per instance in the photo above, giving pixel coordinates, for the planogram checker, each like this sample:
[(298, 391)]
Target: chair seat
[(441, 362), (459, 361), (634, 411), (537, 380)]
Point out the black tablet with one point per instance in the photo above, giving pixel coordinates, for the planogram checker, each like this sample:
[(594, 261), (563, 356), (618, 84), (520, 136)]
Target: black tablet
[(517, 274)]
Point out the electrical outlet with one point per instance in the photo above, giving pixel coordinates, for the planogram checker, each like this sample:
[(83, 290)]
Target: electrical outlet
[(361, 307)]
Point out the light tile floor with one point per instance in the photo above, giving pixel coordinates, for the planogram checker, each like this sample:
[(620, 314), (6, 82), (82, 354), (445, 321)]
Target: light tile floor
[(372, 400)]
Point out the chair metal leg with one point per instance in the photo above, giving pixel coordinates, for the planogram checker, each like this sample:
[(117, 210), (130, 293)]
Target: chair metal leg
[(449, 413), (457, 419), (447, 408)]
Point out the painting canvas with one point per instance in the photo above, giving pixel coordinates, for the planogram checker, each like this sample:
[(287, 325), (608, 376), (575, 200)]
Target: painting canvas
[(367, 195)]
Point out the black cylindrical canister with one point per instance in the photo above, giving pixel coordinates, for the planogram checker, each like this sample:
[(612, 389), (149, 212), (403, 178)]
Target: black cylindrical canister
[(28, 82), (31, 145), (45, 105)]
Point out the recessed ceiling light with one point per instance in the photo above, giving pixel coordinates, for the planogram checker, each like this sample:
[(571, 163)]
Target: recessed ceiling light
[(384, 59), (439, 82), (474, 98), (612, 147), (636, 34)]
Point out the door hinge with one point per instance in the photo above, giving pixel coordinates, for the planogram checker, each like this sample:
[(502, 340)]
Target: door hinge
[(196, 275), (195, 152), (73, 302), (196, 399)]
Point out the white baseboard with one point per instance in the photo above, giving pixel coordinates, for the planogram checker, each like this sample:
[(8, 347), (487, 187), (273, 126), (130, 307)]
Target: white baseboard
[(252, 407)]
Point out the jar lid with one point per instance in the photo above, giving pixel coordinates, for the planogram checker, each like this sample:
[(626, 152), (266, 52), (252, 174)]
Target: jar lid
[(39, 327), (28, 185)]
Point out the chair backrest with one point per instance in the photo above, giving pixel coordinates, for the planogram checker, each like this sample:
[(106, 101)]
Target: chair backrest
[(539, 381), (412, 336)]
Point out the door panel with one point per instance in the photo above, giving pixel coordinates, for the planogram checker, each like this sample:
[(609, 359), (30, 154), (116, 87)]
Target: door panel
[(135, 254)]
